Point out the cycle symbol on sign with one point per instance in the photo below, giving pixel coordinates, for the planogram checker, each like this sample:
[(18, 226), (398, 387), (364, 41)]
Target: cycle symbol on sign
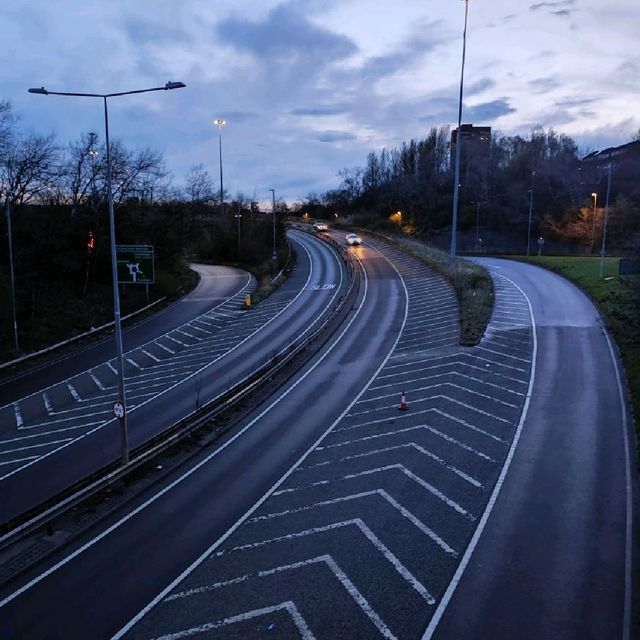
[(118, 410)]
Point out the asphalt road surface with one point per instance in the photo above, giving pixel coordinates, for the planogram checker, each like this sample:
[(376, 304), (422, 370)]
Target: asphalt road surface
[(67, 431), (333, 514)]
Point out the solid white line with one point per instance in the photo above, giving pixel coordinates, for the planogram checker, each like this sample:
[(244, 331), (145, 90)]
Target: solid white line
[(416, 522), (150, 355), (73, 392), (628, 554), (372, 537), (97, 381), (47, 404), (243, 617), (446, 598), (133, 363), (2, 464), (18, 415), (159, 344), (33, 446)]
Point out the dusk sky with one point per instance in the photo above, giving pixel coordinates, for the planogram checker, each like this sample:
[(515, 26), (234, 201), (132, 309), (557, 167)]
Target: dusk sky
[(309, 87)]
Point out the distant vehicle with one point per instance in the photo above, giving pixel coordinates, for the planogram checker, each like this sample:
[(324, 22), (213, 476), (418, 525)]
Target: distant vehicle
[(320, 226), (353, 238)]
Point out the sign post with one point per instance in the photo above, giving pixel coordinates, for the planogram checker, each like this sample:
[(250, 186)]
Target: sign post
[(135, 264)]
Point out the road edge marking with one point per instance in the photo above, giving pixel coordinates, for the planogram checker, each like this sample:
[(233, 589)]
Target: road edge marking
[(457, 576), (628, 552)]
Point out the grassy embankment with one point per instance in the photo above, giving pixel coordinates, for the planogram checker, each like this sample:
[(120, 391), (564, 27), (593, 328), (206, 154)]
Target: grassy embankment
[(617, 298)]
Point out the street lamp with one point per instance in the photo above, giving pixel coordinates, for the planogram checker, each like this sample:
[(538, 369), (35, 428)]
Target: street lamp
[(456, 179), (220, 123), (274, 255), (604, 230), (530, 192), (11, 273), (593, 220), (120, 406)]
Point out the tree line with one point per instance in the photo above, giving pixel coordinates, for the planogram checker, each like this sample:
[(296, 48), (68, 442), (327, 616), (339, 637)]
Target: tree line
[(56, 196), (499, 184)]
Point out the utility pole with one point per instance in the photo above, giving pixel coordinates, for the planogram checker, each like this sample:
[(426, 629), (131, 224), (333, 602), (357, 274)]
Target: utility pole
[(12, 274)]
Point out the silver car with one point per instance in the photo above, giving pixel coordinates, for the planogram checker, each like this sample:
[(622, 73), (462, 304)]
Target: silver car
[(353, 238)]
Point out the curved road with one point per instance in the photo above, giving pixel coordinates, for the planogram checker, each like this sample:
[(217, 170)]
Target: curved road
[(554, 560), (68, 431), (497, 505), (217, 285)]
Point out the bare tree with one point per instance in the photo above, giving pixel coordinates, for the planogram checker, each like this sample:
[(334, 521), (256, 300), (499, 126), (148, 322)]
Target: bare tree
[(198, 184)]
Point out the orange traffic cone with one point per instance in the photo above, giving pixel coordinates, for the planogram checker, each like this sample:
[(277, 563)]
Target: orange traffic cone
[(403, 403)]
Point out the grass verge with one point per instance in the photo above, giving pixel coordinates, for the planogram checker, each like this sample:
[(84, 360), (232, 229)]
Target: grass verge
[(617, 298)]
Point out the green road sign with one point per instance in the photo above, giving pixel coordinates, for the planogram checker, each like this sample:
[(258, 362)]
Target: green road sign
[(135, 263)]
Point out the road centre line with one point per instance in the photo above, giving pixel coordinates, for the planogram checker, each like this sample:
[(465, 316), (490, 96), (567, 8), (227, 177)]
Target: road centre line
[(433, 623), (366, 494), (408, 445), (351, 589), (357, 522), (198, 561)]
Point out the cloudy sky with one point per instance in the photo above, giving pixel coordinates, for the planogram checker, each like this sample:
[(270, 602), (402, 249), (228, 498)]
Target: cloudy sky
[(311, 86)]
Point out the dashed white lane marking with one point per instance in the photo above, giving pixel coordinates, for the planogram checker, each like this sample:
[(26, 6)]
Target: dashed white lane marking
[(407, 445), (159, 344), (133, 363), (97, 381), (357, 522), (150, 355), (113, 369), (351, 589), (287, 606), (73, 392), (416, 522), (47, 404)]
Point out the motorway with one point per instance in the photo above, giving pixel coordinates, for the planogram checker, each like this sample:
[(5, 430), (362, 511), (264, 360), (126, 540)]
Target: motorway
[(497, 505), (66, 431)]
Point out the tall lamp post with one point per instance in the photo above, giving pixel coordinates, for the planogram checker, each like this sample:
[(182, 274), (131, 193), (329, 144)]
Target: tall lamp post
[(121, 405), (593, 219), (456, 179), (604, 230), (530, 192), (220, 123), (11, 273), (274, 255)]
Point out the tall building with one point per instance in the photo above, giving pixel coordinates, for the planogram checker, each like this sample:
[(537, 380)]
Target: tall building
[(474, 154)]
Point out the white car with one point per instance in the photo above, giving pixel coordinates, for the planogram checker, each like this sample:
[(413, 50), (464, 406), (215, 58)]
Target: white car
[(320, 226), (353, 238)]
